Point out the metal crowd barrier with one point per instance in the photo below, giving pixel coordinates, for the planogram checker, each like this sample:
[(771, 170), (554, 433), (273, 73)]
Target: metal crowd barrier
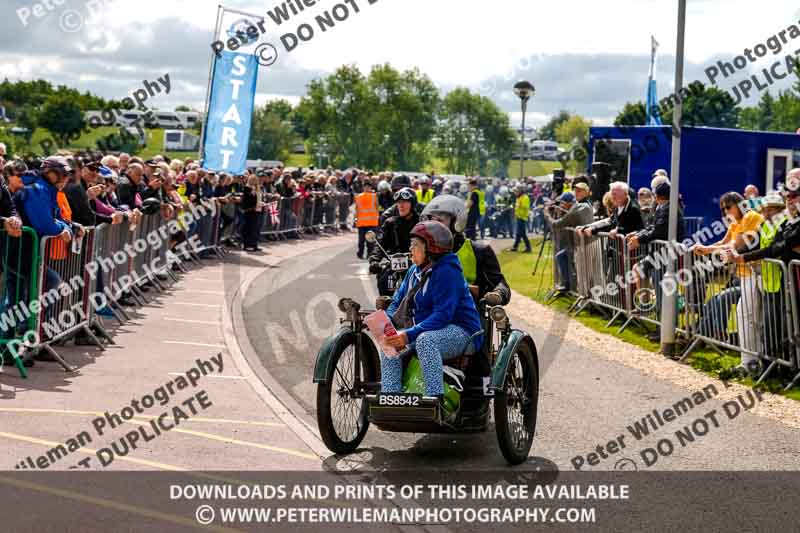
[(65, 290), (750, 308), (20, 263), (316, 213), (693, 225)]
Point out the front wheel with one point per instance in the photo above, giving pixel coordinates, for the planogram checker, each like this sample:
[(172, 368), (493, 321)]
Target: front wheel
[(341, 408), (515, 406)]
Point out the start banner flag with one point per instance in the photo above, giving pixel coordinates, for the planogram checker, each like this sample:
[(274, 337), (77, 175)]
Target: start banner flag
[(231, 101)]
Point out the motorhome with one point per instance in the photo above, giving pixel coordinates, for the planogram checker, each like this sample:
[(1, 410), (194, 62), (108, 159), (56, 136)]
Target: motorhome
[(180, 140), (164, 119), (188, 119)]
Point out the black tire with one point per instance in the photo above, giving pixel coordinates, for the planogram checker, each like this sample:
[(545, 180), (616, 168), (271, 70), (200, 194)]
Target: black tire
[(516, 405), (342, 418)]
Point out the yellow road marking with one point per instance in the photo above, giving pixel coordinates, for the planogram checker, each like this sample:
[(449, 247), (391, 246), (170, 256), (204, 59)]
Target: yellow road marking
[(205, 435), (102, 502), (90, 451), (137, 418), (250, 444)]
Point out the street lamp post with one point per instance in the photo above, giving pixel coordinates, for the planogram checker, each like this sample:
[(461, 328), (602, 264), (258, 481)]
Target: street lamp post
[(524, 90)]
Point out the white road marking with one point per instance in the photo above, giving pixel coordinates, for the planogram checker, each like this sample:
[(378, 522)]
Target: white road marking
[(195, 344), (209, 376), (207, 322)]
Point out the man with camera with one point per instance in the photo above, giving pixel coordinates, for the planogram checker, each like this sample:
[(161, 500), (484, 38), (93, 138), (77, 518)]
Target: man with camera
[(562, 218)]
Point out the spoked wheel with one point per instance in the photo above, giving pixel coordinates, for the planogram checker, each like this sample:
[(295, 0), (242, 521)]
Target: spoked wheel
[(515, 406), (341, 409)]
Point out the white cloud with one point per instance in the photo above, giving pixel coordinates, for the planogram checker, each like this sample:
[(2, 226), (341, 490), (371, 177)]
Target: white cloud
[(589, 57)]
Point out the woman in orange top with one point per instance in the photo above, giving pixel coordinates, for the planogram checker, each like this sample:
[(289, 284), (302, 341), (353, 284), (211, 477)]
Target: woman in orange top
[(742, 233)]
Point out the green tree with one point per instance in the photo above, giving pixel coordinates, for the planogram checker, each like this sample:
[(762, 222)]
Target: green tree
[(183, 108), (750, 118), (270, 136), (766, 110), (62, 117), (633, 114), (575, 132), (474, 135), (548, 131)]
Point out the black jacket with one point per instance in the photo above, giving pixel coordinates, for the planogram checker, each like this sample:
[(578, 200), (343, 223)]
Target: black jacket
[(395, 236), (629, 221), (126, 192), (82, 211), (659, 229), (8, 208)]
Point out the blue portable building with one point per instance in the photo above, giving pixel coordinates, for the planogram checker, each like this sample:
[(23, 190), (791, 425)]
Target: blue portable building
[(713, 160)]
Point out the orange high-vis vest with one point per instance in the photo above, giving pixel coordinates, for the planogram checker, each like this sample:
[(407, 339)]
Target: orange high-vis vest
[(367, 215), (58, 248)]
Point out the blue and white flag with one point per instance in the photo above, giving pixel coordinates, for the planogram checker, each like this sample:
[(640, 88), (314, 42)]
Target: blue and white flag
[(653, 115), (232, 98)]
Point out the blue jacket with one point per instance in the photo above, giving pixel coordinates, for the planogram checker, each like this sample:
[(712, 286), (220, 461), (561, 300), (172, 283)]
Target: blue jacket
[(444, 300), (38, 205)]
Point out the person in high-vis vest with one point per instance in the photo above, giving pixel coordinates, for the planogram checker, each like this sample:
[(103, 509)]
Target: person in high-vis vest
[(772, 283), (482, 221), (479, 263), (522, 209), (367, 217), (425, 194)]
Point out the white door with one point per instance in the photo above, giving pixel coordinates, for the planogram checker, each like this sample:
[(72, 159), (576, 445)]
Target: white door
[(779, 163)]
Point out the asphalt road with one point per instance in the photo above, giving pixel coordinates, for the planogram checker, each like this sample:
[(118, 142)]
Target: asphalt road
[(586, 401)]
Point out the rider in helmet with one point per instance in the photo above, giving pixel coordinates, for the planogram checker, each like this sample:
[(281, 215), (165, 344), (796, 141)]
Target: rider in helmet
[(425, 194), (385, 195), (398, 183), (480, 265), (432, 308), (395, 235)]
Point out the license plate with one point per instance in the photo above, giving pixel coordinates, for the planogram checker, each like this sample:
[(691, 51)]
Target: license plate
[(399, 400), (399, 263)]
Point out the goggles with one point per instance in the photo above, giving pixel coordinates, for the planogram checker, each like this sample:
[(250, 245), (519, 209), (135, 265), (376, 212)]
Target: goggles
[(403, 195)]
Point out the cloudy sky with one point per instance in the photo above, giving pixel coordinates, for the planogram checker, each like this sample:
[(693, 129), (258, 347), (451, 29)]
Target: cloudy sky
[(587, 57)]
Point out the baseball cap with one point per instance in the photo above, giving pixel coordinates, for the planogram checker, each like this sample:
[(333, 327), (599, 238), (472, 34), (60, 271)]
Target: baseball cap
[(582, 186), (567, 197), (58, 163)]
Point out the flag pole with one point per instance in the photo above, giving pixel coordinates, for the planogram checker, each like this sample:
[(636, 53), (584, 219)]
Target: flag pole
[(212, 64)]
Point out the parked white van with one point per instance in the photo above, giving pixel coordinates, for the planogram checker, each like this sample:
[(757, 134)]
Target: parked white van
[(547, 150)]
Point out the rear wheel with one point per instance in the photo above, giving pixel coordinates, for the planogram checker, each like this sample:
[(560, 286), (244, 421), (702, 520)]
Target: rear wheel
[(341, 409), (515, 406)]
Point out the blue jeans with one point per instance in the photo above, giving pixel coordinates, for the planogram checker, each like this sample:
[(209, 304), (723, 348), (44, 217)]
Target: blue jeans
[(522, 234), (433, 347), (562, 260)]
